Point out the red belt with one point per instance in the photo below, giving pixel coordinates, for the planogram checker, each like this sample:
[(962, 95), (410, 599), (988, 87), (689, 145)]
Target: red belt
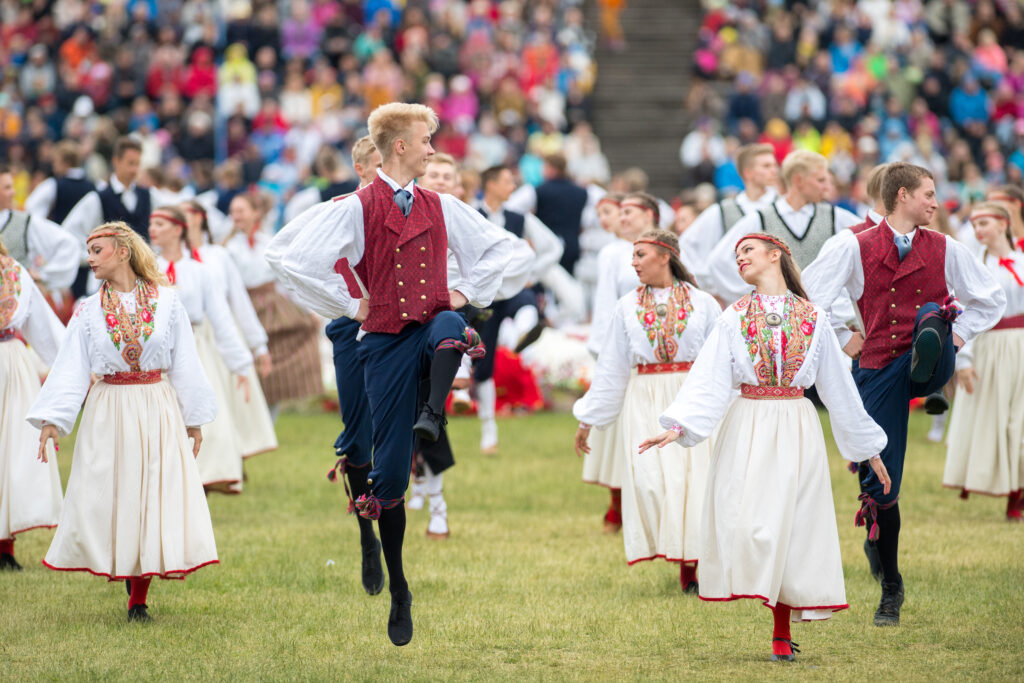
[(657, 368), (122, 378), (765, 392), (1014, 322), (8, 333)]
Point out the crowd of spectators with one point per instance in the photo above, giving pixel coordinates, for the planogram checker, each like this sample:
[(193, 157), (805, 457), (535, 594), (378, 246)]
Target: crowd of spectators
[(246, 93), (938, 83)]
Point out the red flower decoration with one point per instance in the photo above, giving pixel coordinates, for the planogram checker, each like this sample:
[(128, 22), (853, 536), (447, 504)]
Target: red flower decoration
[(146, 315), (649, 317), (751, 329), (807, 327), (15, 276), (681, 314), (111, 320)]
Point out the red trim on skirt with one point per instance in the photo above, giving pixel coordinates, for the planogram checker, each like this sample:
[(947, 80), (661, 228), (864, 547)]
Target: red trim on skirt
[(30, 528), (661, 557), (126, 378), (174, 574), (1014, 322), (834, 608), (658, 368), (963, 489), (773, 393)]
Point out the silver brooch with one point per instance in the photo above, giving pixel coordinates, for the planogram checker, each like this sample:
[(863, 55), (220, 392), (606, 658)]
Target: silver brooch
[(661, 310), (773, 319)]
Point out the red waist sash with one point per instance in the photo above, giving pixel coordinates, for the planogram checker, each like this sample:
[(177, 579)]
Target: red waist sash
[(658, 368), (8, 333), (124, 378), (765, 392), (1014, 322)]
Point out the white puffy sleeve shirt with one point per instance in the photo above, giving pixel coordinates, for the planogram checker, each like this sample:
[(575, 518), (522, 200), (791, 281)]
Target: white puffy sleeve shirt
[(204, 300), (230, 280), (1012, 290), (52, 250), (88, 349), (304, 252), (615, 279), (36, 321), (626, 346), (724, 364)]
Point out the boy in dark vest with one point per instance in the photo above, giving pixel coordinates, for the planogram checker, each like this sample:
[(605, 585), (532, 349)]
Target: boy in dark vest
[(396, 237), (901, 277)]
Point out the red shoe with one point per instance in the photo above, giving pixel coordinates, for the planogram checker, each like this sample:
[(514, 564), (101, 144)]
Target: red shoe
[(1014, 515), (612, 521)]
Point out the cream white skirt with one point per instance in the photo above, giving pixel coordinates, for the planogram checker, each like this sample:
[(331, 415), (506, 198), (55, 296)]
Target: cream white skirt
[(135, 504), (769, 522), (986, 430), (604, 465), (220, 456), (30, 493), (253, 425), (663, 488)]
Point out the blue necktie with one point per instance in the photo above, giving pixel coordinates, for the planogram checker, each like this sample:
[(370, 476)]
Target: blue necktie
[(404, 200), (902, 245)]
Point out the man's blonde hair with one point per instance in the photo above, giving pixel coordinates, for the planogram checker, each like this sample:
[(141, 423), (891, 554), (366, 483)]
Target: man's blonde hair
[(362, 151), (443, 158), (389, 122), (801, 161), (746, 155), (873, 189)]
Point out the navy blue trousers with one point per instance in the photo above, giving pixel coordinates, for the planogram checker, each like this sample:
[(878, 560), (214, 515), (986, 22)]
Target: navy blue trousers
[(394, 365), (886, 393), (483, 368), (356, 438)]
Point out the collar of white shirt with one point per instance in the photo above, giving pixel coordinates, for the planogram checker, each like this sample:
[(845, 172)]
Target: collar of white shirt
[(785, 209), (75, 173), (117, 186), (909, 234), (393, 184), (875, 218)]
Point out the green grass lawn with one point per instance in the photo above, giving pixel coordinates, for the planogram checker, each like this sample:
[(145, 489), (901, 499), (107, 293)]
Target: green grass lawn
[(527, 587)]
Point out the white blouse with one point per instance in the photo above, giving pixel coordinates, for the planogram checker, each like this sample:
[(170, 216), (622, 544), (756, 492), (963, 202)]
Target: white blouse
[(34, 318), (204, 300), (251, 262), (229, 280), (724, 364), (88, 349), (1013, 291), (626, 345), (615, 279)]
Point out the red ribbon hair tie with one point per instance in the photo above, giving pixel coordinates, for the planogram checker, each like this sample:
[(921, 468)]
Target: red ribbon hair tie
[(663, 245), (764, 237), (167, 217)]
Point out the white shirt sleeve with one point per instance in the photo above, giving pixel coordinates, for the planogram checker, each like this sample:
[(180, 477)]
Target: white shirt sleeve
[(241, 307), (518, 273), (976, 289), (84, 216), (195, 395), (708, 391), (843, 219), (837, 267), (605, 297), (59, 250), (304, 252), (856, 434), (603, 400), (480, 247), (545, 244), (40, 201), (65, 387), (697, 242), (523, 199), (724, 279), (229, 343)]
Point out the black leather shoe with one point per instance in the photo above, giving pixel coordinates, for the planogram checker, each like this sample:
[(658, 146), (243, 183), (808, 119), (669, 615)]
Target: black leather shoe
[(8, 563), (128, 586), (874, 561), (927, 349), (531, 336), (692, 587), (429, 425), (373, 572), (791, 657), (888, 612), (138, 613), (400, 620), (935, 404)]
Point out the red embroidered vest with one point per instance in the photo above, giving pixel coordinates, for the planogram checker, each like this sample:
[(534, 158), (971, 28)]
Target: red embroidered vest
[(895, 290), (404, 264)]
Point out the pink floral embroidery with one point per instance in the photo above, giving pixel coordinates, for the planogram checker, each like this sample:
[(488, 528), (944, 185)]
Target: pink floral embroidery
[(664, 333), (807, 327), (111, 320)]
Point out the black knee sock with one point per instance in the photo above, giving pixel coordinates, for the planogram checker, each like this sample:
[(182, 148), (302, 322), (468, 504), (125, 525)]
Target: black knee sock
[(889, 542), (358, 487), (392, 535), (442, 373)]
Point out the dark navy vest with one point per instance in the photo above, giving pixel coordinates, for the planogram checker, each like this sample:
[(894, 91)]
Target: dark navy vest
[(514, 221), (114, 210), (69, 192), (335, 189)]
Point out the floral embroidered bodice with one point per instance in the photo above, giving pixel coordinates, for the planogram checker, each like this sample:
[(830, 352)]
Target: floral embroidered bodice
[(777, 351), (129, 318), (10, 289), (663, 314)]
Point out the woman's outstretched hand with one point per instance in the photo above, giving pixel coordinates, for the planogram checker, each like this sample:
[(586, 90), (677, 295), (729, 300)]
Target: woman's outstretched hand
[(883, 474), (581, 441), (47, 433), (662, 440)]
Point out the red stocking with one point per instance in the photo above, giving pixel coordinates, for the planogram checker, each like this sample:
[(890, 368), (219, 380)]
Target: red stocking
[(140, 589), (7, 546), (687, 574), (782, 614), (1013, 506), (614, 514)]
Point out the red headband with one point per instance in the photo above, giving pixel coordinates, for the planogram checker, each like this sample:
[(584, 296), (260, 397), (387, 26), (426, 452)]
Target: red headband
[(168, 217), (988, 215), (1000, 197), (765, 238), (639, 205), (609, 200), (656, 243), (97, 235)]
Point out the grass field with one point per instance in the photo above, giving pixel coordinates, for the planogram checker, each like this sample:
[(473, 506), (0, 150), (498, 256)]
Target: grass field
[(526, 588)]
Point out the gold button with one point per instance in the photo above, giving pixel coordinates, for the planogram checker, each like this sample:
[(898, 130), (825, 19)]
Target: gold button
[(424, 312), (894, 336), (918, 307), (894, 352), (400, 283), (423, 296), (369, 481), (423, 282), (919, 291), (893, 289), (405, 315), (398, 251), (893, 322), (423, 265), (423, 248), (402, 300), (398, 265), (892, 305)]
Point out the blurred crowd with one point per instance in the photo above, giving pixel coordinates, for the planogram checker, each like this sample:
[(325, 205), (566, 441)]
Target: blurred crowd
[(228, 95), (939, 83)]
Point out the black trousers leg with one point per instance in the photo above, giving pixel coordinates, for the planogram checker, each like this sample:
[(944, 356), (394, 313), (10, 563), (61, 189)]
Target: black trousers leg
[(392, 536)]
